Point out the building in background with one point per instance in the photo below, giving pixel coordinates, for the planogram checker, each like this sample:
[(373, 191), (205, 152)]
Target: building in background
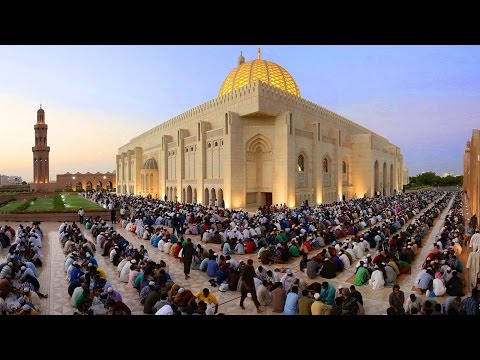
[(471, 172), (41, 152), (86, 181), (10, 180), (76, 182), (259, 143)]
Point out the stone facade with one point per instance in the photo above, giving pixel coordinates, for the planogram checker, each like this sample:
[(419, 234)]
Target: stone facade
[(259, 145), (86, 181), (471, 172)]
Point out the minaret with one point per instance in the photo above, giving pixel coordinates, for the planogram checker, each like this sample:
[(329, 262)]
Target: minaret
[(41, 173), (241, 59)]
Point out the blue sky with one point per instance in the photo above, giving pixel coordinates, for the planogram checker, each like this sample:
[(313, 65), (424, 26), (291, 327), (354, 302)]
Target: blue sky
[(425, 99)]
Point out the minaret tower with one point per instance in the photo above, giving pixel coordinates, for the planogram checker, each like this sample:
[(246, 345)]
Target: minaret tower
[(41, 174)]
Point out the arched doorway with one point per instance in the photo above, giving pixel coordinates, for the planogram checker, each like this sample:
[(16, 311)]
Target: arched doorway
[(213, 196), (99, 185), (206, 199), (170, 195), (184, 195), (78, 186), (391, 179), (377, 177), (89, 186), (175, 196), (68, 186), (189, 194), (384, 190), (109, 185), (220, 197), (259, 169), (195, 196)]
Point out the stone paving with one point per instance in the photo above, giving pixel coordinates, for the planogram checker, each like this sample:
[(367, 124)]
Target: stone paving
[(53, 278)]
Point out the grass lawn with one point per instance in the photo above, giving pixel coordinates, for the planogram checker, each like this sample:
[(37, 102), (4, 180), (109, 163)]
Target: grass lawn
[(42, 204), (11, 205), (75, 202)]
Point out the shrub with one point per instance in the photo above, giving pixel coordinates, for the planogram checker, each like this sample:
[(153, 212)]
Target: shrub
[(58, 204), (6, 201), (23, 206)]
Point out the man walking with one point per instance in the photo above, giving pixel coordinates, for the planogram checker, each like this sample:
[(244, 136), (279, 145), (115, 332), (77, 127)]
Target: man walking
[(248, 285), (81, 214), (187, 255)]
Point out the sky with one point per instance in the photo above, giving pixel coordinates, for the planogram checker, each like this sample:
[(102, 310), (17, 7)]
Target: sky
[(424, 99)]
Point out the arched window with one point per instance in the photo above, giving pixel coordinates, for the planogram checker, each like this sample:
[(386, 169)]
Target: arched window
[(325, 165), (344, 167), (301, 164)]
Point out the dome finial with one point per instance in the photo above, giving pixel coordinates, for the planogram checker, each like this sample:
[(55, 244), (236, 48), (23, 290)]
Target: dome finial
[(40, 106), (258, 53), (241, 59)]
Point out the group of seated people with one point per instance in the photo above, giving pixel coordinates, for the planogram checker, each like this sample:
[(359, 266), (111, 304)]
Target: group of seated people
[(442, 269), (19, 286)]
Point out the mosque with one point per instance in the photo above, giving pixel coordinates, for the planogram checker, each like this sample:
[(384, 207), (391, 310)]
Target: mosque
[(259, 143)]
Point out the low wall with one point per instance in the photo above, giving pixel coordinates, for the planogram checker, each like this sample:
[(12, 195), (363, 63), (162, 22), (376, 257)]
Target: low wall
[(52, 217)]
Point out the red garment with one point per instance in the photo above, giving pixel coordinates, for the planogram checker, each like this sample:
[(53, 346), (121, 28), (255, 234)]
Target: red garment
[(308, 245), (249, 247), (177, 251)]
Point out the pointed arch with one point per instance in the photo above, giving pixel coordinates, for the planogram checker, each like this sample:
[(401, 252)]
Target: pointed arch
[(300, 163), (391, 179), (206, 197), (220, 197), (260, 164), (189, 194), (345, 171), (259, 140), (301, 170), (326, 169), (385, 177), (78, 186), (376, 177), (213, 196)]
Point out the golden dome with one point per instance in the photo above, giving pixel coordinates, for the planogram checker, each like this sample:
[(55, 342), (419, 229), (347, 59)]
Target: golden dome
[(259, 69)]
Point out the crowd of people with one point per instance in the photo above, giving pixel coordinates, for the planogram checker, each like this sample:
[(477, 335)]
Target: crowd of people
[(376, 239), (442, 273), (19, 286)]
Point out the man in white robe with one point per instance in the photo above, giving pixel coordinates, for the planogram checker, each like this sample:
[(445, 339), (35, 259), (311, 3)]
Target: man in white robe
[(473, 266), (377, 280)]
